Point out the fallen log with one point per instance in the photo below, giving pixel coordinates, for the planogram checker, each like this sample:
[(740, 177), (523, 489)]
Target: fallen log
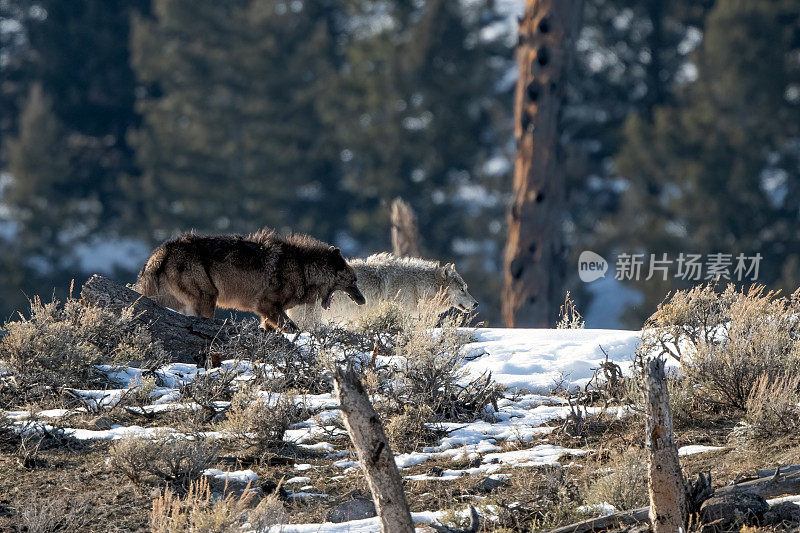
[(769, 487), (187, 339), (376, 457), (604, 523)]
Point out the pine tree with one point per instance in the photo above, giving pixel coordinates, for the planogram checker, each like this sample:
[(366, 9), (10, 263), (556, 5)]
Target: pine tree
[(66, 102), (50, 213), (418, 114), (718, 172), (232, 137), (631, 57), (78, 52)]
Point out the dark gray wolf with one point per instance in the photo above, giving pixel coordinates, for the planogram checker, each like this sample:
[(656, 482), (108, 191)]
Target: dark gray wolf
[(263, 273), (408, 281)]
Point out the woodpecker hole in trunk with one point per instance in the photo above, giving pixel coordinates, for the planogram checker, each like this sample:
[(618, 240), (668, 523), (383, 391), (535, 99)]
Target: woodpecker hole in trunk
[(533, 91), (544, 26)]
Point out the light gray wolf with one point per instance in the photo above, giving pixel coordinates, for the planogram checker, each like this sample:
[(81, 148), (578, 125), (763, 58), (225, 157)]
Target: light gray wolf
[(384, 277), (263, 273)]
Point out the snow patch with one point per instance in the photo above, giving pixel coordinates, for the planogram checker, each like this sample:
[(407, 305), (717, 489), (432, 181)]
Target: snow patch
[(697, 448), (536, 360), (237, 476)]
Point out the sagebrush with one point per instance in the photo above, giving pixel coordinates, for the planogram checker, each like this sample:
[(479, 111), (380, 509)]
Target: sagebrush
[(175, 459), (726, 341), (60, 345)]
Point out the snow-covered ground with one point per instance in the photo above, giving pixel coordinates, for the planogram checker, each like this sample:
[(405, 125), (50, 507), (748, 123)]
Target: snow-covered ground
[(530, 362), (537, 360)]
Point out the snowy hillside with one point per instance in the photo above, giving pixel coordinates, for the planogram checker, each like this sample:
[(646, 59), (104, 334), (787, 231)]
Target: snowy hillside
[(506, 459), (529, 362)]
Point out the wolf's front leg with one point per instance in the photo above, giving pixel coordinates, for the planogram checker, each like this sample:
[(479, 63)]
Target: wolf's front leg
[(267, 325), (270, 315), (273, 318), (286, 324)]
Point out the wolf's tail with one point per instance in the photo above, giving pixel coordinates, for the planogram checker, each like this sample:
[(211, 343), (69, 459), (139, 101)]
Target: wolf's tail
[(405, 234)]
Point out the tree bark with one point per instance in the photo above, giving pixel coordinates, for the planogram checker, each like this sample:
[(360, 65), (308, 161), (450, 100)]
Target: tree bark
[(374, 453), (668, 511), (534, 253), (405, 233), (186, 338)]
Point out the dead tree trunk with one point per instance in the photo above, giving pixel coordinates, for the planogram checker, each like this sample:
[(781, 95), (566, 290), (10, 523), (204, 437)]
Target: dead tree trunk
[(534, 250), (374, 453), (405, 233), (668, 512), (770, 486), (186, 338)]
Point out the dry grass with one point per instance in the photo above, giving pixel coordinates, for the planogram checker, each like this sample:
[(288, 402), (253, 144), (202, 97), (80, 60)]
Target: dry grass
[(290, 367), (87, 487), (51, 515), (622, 481), (537, 499), (260, 422), (568, 316), (772, 408), (7, 435), (200, 512), (428, 370), (408, 361), (410, 430)]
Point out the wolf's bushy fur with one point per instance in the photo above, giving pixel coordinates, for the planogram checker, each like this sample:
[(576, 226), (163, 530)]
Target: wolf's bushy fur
[(408, 281), (264, 273)]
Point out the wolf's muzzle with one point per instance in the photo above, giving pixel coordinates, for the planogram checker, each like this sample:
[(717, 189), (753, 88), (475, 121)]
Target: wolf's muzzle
[(355, 295), (465, 309)]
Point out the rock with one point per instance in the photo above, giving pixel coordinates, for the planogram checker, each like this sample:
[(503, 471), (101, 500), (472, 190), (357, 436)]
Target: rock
[(102, 422), (436, 471), (783, 514), (357, 509), (489, 484), (270, 487), (728, 511)]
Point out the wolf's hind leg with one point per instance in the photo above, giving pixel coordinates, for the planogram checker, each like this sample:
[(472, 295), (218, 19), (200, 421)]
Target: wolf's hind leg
[(267, 326)]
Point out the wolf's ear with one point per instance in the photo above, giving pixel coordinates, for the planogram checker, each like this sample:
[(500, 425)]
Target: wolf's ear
[(441, 274)]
